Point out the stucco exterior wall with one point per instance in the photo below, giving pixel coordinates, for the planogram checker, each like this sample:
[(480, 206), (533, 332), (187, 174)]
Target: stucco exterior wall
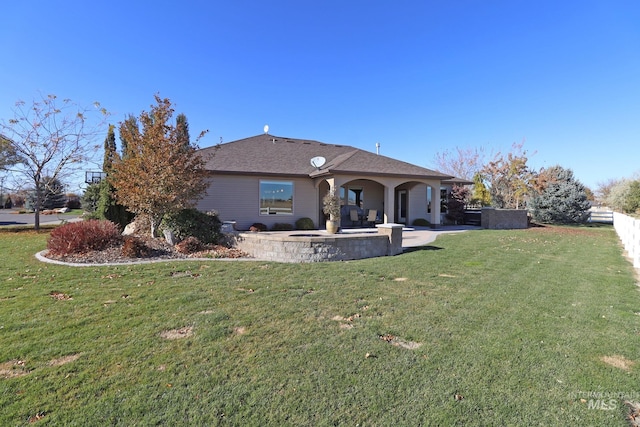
[(237, 198), (417, 203)]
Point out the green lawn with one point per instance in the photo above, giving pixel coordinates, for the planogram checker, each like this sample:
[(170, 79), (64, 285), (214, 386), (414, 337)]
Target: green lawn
[(530, 327)]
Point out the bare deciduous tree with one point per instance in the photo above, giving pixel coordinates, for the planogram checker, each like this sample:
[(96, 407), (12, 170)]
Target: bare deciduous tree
[(461, 162), (509, 178), (51, 139)]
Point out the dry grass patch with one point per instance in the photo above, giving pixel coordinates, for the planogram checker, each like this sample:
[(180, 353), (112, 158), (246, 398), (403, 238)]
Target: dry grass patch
[(13, 369), (617, 361), (175, 334), (399, 342), (240, 330), (64, 360), (345, 322), (60, 296)]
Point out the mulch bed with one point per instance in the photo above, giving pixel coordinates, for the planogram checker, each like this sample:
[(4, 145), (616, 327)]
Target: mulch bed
[(159, 249)]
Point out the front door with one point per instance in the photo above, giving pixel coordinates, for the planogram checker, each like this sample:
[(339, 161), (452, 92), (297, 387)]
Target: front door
[(401, 213)]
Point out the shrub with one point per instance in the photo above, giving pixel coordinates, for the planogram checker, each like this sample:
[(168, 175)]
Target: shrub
[(73, 201), (305, 224), (79, 237), (133, 247), (194, 223), (455, 204), (281, 226), (91, 198), (562, 200), (421, 222), (108, 208), (632, 201), (258, 226), (189, 245)]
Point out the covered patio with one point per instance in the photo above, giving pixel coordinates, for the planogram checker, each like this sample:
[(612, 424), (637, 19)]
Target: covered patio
[(367, 201)]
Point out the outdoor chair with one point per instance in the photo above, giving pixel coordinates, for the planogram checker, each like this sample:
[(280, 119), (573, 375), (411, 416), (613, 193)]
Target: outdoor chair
[(371, 217), (354, 217)]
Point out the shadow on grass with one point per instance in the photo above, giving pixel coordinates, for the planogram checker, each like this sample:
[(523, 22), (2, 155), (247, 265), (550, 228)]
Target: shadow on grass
[(584, 225), (421, 248), (25, 227)]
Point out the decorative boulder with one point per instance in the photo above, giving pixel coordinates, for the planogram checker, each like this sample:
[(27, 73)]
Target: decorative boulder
[(170, 237), (130, 229)]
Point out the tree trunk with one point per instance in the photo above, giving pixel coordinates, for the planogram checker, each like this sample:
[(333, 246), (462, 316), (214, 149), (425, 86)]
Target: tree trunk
[(36, 207), (155, 224)]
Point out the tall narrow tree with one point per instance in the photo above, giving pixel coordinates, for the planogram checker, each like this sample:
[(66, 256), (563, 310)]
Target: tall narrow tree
[(108, 208), (131, 126), (182, 130), (110, 150)]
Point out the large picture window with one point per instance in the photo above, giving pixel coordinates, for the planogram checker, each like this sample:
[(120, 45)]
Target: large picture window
[(276, 198)]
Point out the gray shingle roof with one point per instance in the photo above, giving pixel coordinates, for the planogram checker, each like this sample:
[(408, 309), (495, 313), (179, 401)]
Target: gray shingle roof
[(273, 155)]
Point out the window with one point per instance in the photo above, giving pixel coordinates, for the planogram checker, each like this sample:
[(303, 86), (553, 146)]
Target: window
[(276, 198), (355, 197), (444, 197)]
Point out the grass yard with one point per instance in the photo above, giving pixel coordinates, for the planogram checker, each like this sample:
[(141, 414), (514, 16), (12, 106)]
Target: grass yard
[(528, 327)]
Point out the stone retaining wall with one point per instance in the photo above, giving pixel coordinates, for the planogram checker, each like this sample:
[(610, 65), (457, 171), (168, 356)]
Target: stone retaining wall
[(317, 246), (504, 219)]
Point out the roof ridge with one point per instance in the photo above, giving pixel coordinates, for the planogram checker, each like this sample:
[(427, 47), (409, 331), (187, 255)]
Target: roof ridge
[(340, 159)]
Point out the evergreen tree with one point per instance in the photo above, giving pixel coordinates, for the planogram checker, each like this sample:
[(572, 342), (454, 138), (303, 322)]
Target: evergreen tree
[(130, 124), (91, 198), (481, 194), (560, 198), (107, 207), (182, 130), (110, 151), (51, 193)]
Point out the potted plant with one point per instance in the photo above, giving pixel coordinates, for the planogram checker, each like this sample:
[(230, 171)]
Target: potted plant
[(331, 207)]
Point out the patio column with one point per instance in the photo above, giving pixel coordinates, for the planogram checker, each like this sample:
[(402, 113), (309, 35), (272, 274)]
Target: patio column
[(435, 203), (389, 203)]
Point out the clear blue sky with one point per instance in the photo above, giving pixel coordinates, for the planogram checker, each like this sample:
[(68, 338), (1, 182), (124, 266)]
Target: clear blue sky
[(417, 76)]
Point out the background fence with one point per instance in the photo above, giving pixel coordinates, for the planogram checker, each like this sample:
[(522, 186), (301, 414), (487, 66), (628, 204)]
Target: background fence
[(628, 230), (601, 216)]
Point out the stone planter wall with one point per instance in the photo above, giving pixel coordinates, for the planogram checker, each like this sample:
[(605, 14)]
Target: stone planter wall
[(504, 219), (317, 246)]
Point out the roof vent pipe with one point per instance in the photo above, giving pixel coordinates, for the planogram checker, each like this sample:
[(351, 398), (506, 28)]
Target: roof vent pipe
[(377, 148)]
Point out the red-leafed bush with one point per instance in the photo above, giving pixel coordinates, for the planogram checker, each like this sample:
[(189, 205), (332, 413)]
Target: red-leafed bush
[(189, 245), (133, 247), (83, 236)]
